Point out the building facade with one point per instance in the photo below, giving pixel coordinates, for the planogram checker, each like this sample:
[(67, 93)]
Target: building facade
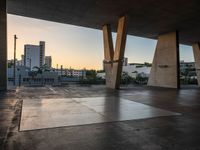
[(76, 73), (48, 61), (135, 69), (24, 77), (125, 61), (132, 69), (34, 55)]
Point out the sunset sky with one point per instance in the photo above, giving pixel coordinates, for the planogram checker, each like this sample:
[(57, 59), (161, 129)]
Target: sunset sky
[(76, 47)]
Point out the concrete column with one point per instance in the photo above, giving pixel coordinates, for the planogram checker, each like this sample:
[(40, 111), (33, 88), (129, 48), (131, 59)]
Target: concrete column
[(3, 45), (114, 59), (108, 53), (165, 67), (196, 51)]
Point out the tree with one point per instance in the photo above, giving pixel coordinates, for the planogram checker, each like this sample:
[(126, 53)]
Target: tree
[(147, 64), (39, 70), (10, 64), (141, 79), (125, 78), (91, 74)]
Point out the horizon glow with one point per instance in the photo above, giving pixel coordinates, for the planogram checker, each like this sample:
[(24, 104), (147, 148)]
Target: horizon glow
[(77, 47)]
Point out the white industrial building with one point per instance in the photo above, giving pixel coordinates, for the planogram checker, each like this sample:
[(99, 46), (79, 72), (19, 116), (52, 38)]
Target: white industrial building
[(34, 55), (75, 73), (133, 70)]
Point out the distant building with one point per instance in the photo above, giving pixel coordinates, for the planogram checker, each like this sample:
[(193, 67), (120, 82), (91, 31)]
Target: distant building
[(75, 73), (42, 52), (101, 75), (135, 69), (34, 55), (187, 70), (185, 66), (20, 62), (24, 77), (125, 61), (48, 61)]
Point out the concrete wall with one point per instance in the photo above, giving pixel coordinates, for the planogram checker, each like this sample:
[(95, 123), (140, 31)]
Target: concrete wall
[(3, 45), (165, 67)]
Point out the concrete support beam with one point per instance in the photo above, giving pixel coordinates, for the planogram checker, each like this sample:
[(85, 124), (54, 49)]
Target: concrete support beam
[(3, 45), (114, 59), (165, 67), (196, 51), (108, 53)]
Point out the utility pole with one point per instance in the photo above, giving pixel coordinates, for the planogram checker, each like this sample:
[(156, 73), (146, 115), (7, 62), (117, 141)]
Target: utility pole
[(14, 71), (61, 68)]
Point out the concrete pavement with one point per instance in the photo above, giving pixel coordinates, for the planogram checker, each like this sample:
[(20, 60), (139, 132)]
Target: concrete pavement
[(169, 132)]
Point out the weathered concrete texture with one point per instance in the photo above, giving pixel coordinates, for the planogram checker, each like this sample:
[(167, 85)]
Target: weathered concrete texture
[(3, 45), (162, 133), (165, 67), (196, 51), (114, 59), (10, 107), (51, 113), (108, 53)]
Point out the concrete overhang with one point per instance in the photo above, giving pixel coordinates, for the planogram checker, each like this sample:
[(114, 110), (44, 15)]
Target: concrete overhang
[(146, 18)]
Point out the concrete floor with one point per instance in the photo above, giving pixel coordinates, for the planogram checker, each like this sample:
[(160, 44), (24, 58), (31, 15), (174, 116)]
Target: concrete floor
[(51, 113), (165, 132)]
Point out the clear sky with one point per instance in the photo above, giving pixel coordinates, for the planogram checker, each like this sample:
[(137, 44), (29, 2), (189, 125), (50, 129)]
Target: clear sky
[(77, 47)]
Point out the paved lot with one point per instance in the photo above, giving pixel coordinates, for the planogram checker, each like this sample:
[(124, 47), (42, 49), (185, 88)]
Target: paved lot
[(165, 132)]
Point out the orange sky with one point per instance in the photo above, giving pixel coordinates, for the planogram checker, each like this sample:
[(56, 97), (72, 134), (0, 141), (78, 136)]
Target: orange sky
[(76, 47), (68, 45)]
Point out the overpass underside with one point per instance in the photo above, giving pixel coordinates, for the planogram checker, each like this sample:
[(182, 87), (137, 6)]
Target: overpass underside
[(171, 22)]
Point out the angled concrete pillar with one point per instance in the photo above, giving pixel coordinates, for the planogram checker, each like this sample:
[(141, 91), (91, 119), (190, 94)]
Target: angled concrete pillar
[(3, 45), (113, 60), (165, 67), (196, 51), (108, 53)]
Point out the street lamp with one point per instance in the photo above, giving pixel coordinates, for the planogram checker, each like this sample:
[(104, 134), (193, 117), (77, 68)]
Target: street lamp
[(14, 73)]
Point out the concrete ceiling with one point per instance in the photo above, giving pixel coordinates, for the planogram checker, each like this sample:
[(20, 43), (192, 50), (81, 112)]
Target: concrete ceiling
[(146, 18)]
